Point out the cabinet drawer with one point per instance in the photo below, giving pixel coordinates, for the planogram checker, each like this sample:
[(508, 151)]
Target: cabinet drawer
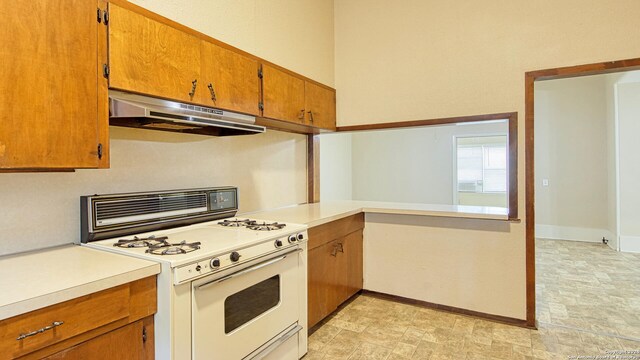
[(73, 317), (322, 234)]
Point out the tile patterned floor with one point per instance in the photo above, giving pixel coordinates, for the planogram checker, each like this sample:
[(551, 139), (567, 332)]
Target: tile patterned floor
[(373, 328)]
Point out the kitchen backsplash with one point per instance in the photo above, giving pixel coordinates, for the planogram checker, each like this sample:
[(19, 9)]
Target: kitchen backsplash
[(40, 210)]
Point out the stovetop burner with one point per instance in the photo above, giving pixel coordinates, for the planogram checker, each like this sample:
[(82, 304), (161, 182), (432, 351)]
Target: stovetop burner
[(167, 248), (237, 222), (266, 226), (137, 242)]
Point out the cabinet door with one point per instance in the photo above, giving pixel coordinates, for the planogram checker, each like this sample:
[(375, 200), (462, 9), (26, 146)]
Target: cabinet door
[(230, 80), (322, 299), (50, 85), (283, 95), (352, 245), (134, 341), (320, 106), (148, 57)]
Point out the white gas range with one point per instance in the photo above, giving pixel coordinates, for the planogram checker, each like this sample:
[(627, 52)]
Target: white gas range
[(230, 288)]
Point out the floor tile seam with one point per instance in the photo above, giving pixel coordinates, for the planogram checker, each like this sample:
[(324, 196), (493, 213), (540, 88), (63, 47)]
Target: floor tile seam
[(591, 331)]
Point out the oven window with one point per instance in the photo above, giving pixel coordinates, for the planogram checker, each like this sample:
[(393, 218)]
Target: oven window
[(246, 305)]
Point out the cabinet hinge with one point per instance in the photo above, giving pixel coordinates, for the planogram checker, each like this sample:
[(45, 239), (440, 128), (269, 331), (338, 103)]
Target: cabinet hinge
[(100, 151), (144, 334), (260, 105), (99, 15), (106, 17), (260, 73), (105, 70)]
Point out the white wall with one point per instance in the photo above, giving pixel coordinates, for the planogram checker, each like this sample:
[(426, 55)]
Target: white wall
[(628, 101), (431, 59), (468, 264), (42, 209), (572, 151), (335, 167), (413, 165)]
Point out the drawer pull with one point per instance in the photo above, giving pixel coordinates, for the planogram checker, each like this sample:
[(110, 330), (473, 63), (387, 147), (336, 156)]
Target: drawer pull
[(46, 328)]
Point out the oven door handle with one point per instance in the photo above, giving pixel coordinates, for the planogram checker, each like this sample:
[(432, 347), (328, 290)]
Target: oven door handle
[(266, 351), (247, 270)]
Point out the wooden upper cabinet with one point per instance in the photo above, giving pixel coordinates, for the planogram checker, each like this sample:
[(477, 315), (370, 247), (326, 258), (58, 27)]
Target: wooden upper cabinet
[(283, 95), (229, 79), (51, 88), (320, 106), (152, 58)]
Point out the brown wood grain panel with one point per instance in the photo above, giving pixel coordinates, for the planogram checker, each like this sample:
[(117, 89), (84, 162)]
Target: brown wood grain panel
[(233, 78), (322, 234), (79, 316), (283, 95), (320, 106), (353, 253), (123, 343), (313, 169), (141, 304), (49, 84), (149, 57), (321, 291)]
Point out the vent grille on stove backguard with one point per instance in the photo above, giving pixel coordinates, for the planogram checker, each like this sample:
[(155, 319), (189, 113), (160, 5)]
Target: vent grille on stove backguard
[(105, 216), (127, 210)]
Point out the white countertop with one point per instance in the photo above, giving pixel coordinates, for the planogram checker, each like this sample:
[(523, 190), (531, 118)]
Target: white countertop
[(326, 211), (34, 280)]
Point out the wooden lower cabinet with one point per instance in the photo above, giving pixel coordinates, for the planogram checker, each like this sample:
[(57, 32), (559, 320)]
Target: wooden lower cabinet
[(335, 270), (115, 323), (133, 341)]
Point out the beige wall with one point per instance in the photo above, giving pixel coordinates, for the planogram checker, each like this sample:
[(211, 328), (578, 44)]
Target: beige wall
[(431, 59), (571, 150), (42, 210), (296, 34)]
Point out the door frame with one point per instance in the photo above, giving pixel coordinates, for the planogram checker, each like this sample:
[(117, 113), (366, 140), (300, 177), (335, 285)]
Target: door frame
[(530, 78)]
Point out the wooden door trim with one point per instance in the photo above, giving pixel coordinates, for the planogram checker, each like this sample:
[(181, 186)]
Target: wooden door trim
[(530, 78)]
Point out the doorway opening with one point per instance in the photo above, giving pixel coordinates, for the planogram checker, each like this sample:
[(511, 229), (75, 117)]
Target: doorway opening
[(531, 78)]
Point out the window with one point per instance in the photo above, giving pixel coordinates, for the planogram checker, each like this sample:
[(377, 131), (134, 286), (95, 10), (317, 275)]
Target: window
[(481, 168)]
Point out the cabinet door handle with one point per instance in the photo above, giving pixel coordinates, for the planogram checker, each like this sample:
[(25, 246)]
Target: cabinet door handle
[(310, 116), (301, 115), (340, 248), (40, 331), (334, 252), (194, 83), (212, 91)]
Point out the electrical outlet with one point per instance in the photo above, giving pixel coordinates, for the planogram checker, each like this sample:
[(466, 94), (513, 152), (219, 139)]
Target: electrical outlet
[(545, 182)]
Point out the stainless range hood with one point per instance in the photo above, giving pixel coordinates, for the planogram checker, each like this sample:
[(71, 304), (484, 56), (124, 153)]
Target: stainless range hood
[(145, 112)]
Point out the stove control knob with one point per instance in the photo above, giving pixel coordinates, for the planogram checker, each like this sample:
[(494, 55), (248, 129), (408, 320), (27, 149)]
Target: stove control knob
[(198, 267), (235, 256), (292, 239), (215, 263), (300, 237), (278, 243)]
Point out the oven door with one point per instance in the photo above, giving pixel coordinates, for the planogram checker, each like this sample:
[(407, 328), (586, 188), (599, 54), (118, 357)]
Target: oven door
[(234, 315)]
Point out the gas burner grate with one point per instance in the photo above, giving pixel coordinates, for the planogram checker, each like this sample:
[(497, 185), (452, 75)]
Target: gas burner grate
[(266, 226), (137, 242), (173, 249), (237, 222)]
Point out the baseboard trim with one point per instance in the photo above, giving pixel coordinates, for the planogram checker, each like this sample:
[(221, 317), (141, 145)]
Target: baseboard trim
[(451, 309), (572, 233), (630, 244)]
